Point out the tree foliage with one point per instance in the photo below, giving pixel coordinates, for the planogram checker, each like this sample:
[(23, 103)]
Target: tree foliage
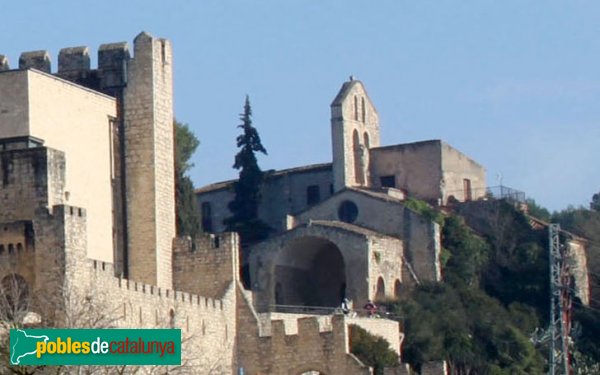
[(372, 350), (186, 143), (467, 252), (244, 207)]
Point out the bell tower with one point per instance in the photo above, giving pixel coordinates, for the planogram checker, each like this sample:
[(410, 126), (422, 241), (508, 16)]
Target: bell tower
[(354, 130)]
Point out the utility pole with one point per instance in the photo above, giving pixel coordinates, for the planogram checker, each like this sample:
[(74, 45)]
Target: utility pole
[(559, 304)]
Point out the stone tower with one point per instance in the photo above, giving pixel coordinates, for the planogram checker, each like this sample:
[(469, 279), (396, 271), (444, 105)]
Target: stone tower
[(149, 161), (354, 129)]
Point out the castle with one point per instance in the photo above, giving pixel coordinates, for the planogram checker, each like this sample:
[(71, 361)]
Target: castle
[(87, 220)]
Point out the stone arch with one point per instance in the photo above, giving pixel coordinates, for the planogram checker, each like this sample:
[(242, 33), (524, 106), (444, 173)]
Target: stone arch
[(380, 292), (14, 295), (359, 176), (397, 290), (309, 271)]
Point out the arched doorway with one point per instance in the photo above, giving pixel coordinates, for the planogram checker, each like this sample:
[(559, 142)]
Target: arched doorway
[(14, 297), (310, 271)]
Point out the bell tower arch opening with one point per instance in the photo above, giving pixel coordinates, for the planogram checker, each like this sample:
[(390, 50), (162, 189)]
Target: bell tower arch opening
[(359, 174), (310, 271)]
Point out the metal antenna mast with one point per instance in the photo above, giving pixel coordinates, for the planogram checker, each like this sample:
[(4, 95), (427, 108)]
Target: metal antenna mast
[(559, 304)]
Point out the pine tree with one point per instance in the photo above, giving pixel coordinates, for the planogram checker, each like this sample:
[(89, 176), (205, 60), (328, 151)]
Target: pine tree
[(244, 207)]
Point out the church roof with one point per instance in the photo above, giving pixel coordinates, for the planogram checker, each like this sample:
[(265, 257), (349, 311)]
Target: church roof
[(268, 175)]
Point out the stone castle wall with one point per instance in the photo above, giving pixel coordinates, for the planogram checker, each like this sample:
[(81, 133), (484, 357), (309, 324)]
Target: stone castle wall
[(149, 161), (61, 278), (209, 267), (208, 324), (30, 179), (312, 346)]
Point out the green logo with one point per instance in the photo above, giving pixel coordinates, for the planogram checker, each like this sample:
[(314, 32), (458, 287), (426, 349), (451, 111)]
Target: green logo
[(33, 347)]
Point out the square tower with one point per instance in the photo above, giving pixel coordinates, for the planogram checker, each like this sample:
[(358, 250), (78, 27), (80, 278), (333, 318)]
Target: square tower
[(149, 161)]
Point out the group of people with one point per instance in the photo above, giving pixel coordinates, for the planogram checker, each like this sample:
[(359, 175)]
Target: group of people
[(370, 307)]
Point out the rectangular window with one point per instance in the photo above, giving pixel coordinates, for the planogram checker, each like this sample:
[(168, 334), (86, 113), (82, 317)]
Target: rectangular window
[(206, 211), (388, 181), (467, 187), (313, 195)]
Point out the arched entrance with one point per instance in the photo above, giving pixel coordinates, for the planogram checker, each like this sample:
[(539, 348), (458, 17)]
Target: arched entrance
[(310, 271)]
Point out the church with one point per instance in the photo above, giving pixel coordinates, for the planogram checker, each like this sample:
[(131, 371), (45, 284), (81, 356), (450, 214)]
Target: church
[(346, 229)]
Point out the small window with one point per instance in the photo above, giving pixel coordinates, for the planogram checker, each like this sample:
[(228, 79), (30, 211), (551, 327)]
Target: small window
[(355, 108), (313, 195), (172, 318), (467, 187), (364, 109), (206, 217), (348, 212), (388, 181), (380, 293), (397, 288)]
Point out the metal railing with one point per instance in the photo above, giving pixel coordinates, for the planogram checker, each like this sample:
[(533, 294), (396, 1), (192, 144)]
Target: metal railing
[(493, 192), (380, 312), (504, 192)]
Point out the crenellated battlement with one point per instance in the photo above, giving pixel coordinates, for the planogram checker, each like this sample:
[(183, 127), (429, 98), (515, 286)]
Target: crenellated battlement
[(39, 60), (74, 58), (279, 325), (4, 63), (208, 266), (105, 270), (74, 64)]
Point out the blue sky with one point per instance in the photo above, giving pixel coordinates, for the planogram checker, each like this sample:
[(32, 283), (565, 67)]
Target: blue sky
[(513, 84)]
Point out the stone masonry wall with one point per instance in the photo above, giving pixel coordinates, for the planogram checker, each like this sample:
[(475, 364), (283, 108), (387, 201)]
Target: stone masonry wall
[(149, 161), (310, 349), (30, 179), (208, 324), (209, 268), (353, 112), (416, 167), (380, 213)]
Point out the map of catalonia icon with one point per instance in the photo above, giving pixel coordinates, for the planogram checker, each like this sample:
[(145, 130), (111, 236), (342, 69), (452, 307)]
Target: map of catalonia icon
[(23, 344)]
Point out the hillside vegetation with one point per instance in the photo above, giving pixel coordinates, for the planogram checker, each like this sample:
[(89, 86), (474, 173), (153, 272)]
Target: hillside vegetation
[(495, 296)]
